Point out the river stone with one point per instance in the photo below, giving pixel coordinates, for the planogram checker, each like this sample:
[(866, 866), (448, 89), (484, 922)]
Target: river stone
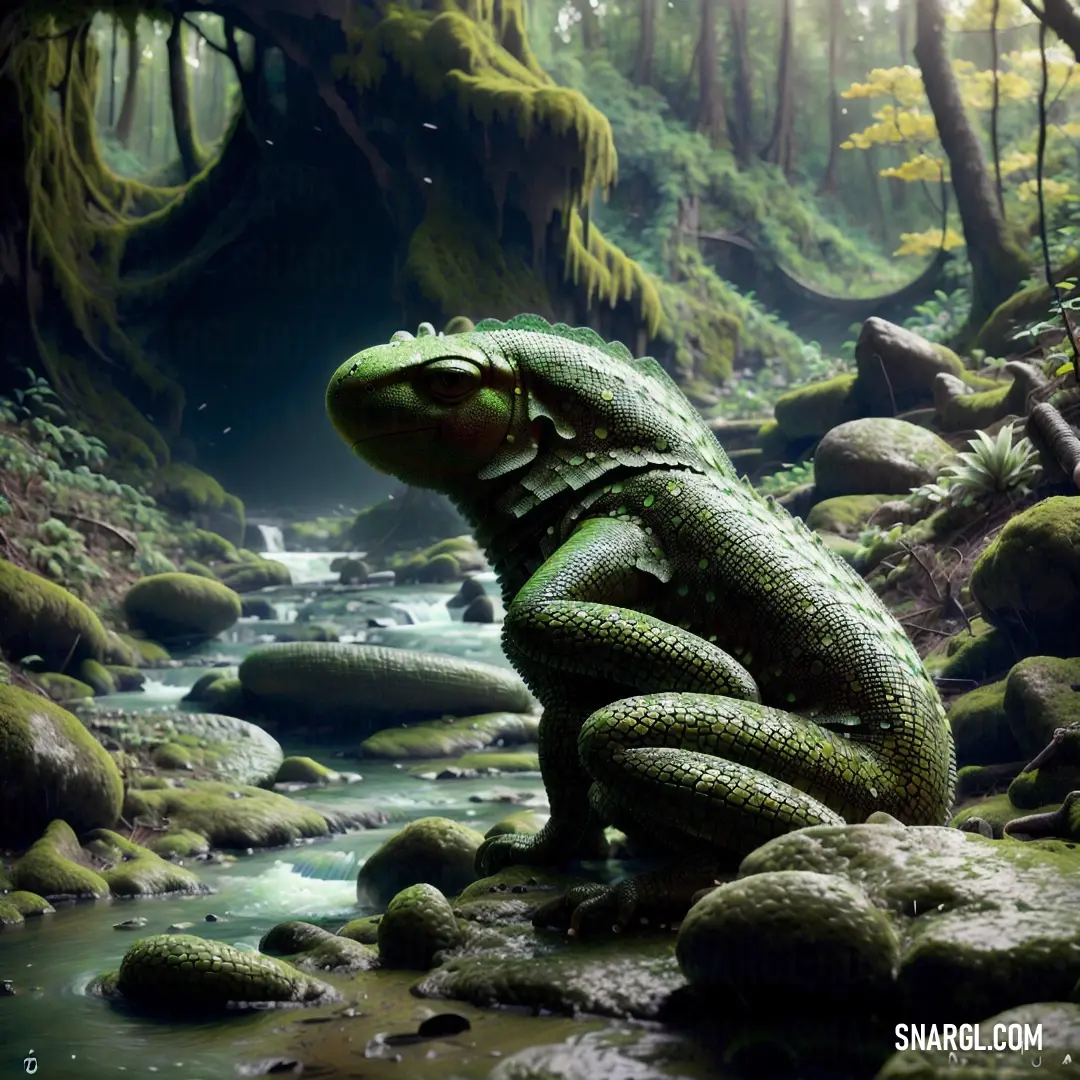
[(771, 933), (451, 736), (983, 925), (877, 455), (434, 850), (1053, 774), (981, 729), (50, 766), (180, 607), (187, 973), (1027, 580), (418, 925), (1042, 694), (311, 948)]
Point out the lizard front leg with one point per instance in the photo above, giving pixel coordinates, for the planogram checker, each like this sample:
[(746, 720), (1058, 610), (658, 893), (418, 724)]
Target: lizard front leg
[(573, 634)]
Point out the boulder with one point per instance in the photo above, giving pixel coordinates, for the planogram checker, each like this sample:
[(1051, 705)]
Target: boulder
[(246, 577), (877, 455), (50, 766), (181, 607), (1042, 694)]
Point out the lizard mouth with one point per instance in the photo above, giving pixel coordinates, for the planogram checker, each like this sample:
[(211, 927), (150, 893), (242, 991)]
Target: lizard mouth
[(391, 433)]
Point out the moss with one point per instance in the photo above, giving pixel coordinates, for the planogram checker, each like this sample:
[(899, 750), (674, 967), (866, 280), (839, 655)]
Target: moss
[(63, 688), (981, 729), (1040, 697), (136, 871), (170, 755), (303, 770), (307, 632), (50, 766), (812, 410), (513, 761), (256, 607), (181, 607), (43, 619), (100, 678), (982, 654), (19, 905), (441, 568), (125, 678), (521, 823), (183, 844), (212, 545), (56, 866), (149, 652), (200, 497), (311, 948), (260, 574), (845, 515), (771, 441), (209, 808), (997, 811), (1027, 580), (190, 566), (364, 930), (445, 738)]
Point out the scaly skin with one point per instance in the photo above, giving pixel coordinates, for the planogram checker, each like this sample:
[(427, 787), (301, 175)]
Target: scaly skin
[(711, 675)]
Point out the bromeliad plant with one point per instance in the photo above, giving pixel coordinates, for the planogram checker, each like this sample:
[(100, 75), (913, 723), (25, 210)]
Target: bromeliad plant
[(993, 466)]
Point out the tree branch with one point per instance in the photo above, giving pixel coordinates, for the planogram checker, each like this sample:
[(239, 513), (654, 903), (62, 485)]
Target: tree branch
[(1061, 17)]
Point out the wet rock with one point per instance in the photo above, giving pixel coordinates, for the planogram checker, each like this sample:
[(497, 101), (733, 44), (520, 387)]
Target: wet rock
[(1052, 774), (18, 906), (982, 925), (419, 924), (1042, 694), (1027, 580), (130, 924), (877, 456), (434, 850), (981, 729), (180, 607), (845, 515), (470, 590), (184, 973), (311, 948), (304, 770), (257, 607), (365, 930), (50, 766), (258, 574), (480, 610), (451, 736)]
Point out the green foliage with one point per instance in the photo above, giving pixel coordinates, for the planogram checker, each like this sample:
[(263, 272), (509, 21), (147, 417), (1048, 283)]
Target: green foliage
[(992, 466), (791, 476), (940, 318)]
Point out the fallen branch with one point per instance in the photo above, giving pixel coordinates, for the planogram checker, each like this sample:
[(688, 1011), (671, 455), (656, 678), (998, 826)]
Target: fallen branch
[(121, 534)]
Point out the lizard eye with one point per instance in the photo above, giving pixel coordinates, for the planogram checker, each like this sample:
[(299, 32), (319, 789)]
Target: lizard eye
[(451, 380)]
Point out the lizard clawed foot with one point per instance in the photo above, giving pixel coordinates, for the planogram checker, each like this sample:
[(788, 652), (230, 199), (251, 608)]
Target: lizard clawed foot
[(590, 910), (544, 849)]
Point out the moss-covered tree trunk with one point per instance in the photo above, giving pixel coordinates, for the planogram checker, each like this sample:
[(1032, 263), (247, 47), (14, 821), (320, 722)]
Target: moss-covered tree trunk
[(780, 149), (741, 91), (180, 99), (131, 86), (828, 180), (646, 43), (711, 116), (998, 266)]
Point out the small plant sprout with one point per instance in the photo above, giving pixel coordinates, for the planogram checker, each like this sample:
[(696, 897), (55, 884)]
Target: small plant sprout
[(993, 466)]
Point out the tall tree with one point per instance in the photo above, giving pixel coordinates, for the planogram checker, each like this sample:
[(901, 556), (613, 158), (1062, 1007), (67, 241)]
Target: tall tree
[(590, 24), (113, 49), (742, 94), (780, 149), (646, 43), (131, 86), (710, 117), (1061, 17), (180, 98), (998, 266), (836, 16)]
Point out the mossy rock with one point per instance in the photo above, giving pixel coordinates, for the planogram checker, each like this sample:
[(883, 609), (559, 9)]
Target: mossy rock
[(812, 410), (257, 607), (772, 442), (849, 550), (470, 590), (181, 607), (418, 925), (845, 515), (961, 409), (63, 689), (877, 455), (201, 499), (1052, 775), (125, 678), (1027, 580), (18, 906), (521, 823), (310, 948), (981, 729), (352, 571), (190, 566), (212, 545), (451, 736), (981, 654), (232, 816), (98, 677), (225, 694), (303, 770), (347, 683), (182, 973), (365, 930), (777, 932), (439, 569), (134, 870), (261, 574), (57, 866), (997, 811), (42, 619), (1042, 694), (432, 850), (183, 844), (148, 652), (50, 766), (307, 632), (171, 756), (495, 761)]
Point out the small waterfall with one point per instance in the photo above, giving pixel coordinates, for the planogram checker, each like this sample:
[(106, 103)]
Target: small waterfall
[(272, 538)]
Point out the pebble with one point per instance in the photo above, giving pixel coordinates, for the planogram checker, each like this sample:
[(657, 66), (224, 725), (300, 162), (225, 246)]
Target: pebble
[(211, 917), (131, 924), (178, 927)]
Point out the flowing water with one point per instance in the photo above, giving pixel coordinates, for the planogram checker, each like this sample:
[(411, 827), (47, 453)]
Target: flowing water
[(52, 1027)]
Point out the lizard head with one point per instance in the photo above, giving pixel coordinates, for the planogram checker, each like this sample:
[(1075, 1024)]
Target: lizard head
[(431, 410)]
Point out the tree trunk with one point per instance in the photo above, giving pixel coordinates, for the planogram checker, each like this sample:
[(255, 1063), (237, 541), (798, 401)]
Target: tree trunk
[(1061, 17), (131, 87), (742, 93), (646, 45), (828, 181), (114, 42), (710, 119), (780, 149), (180, 98), (151, 108), (997, 264), (590, 24)]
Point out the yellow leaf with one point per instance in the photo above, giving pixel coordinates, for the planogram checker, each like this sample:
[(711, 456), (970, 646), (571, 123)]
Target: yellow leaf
[(1054, 191), (904, 84), (918, 168), (1065, 368), (925, 243), (1017, 161)]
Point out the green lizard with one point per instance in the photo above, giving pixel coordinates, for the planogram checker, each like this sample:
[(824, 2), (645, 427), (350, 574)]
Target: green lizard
[(711, 674)]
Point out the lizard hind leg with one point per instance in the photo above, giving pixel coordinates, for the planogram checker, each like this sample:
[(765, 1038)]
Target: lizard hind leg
[(721, 775)]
